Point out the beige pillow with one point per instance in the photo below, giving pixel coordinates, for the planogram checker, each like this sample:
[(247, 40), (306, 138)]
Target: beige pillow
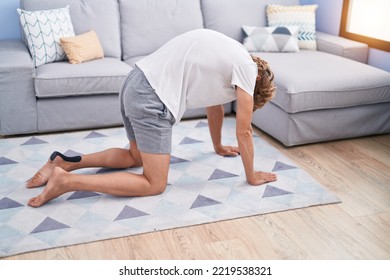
[(83, 47), (303, 16)]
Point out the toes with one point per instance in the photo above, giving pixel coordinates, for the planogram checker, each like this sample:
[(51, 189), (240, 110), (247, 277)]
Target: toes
[(41, 177), (34, 182), (33, 202), (30, 184)]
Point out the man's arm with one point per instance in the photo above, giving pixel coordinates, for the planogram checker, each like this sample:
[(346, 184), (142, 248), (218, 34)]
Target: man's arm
[(215, 116), (245, 139)]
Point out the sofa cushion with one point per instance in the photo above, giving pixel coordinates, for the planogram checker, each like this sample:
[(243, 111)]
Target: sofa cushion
[(103, 17), (132, 61), (311, 80), (93, 77), (99, 15), (43, 30), (222, 15), (35, 5), (148, 24)]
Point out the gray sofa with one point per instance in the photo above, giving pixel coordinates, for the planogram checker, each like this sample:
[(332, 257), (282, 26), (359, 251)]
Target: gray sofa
[(322, 95)]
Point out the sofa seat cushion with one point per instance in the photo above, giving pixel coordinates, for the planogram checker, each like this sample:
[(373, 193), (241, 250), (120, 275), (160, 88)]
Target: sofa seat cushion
[(312, 80), (100, 76)]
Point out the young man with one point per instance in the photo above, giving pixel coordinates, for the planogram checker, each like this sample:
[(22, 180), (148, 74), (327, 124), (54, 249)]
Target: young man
[(198, 69)]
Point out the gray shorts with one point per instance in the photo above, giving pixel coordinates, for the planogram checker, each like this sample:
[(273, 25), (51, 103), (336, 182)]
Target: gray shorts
[(146, 119)]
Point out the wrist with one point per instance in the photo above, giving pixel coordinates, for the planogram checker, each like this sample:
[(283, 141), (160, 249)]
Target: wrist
[(218, 148)]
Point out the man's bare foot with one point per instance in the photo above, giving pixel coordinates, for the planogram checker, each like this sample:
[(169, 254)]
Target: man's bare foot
[(55, 187), (260, 178), (42, 176)]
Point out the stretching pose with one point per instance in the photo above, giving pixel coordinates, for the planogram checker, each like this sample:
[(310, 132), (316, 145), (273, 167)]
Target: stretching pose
[(198, 69)]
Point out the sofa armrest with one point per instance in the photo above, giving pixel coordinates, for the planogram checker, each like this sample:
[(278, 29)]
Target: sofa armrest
[(18, 113), (342, 47)]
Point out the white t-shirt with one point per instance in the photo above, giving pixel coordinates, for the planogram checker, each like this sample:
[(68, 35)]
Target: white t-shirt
[(199, 69)]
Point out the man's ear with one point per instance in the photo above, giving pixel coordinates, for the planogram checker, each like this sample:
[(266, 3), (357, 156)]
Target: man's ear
[(258, 78)]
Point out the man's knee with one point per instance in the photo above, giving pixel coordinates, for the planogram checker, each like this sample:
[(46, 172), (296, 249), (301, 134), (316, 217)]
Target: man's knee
[(156, 168), (158, 187)]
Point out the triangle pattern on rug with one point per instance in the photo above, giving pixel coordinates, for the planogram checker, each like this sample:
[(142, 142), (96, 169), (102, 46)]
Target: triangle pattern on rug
[(201, 124), (271, 191), (280, 166), (49, 224), (34, 141), (71, 153), (7, 203), (5, 161), (82, 194), (174, 160), (202, 201), (188, 140), (129, 213), (220, 174), (94, 134)]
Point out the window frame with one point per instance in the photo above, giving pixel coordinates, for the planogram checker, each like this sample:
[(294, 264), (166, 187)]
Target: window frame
[(371, 42)]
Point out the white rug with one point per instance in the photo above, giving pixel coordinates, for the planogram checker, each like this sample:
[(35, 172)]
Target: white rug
[(203, 188)]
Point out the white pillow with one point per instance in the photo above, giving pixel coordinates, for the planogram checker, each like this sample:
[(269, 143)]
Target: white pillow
[(303, 16), (271, 39), (43, 30)]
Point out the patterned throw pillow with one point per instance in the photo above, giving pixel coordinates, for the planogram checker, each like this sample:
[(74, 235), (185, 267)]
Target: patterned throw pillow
[(271, 39), (302, 16), (43, 30), (83, 47)]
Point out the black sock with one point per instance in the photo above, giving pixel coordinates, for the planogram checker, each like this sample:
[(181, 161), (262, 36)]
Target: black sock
[(69, 159)]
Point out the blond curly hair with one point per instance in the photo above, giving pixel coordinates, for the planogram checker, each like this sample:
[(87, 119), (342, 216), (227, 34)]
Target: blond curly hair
[(264, 89)]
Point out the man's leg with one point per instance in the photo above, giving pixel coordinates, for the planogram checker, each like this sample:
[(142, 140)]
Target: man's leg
[(153, 181), (111, 158)]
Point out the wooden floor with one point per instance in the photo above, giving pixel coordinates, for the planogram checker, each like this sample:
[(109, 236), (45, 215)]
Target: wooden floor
[(357, 171)]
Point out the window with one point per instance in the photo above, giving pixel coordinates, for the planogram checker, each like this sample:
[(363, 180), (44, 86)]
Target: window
[(367, 21)]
